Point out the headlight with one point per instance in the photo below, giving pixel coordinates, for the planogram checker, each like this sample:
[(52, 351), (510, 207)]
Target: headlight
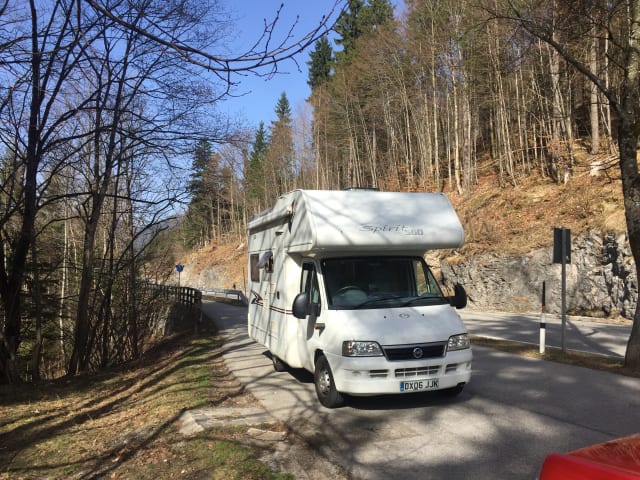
[(458, 342), (352, 348)]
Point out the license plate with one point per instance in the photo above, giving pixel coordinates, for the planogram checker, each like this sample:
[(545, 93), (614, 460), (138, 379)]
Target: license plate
[(419, 385)]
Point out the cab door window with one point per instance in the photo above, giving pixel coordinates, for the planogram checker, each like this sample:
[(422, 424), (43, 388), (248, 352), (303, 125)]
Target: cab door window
[(309, 283)]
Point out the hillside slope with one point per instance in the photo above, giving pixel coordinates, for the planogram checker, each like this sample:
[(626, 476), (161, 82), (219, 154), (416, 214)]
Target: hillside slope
[(507, 221), (520, 218)]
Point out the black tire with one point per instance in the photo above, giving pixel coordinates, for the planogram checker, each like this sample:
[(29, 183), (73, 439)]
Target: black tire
[(325, 386), (454, 391), (278, 365)]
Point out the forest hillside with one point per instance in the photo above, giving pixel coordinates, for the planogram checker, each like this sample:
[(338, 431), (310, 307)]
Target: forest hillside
[(508, 221)]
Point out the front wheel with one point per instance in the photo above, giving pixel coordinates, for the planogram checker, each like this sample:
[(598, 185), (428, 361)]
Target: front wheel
[(454, 391), (325, 386), (278, 365)]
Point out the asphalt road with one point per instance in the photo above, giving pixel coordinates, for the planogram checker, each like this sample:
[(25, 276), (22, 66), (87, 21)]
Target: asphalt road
[(581, 333), (513, 413)]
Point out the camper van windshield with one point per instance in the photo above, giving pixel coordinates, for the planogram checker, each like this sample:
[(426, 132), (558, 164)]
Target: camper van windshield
[(379, 282)]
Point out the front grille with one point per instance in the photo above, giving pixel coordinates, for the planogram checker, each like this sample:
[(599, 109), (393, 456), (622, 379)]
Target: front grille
[(378, 373), (406, 352), (417, 372)]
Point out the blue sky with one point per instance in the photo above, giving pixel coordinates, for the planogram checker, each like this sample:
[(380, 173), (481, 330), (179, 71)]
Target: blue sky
[(260, 95)]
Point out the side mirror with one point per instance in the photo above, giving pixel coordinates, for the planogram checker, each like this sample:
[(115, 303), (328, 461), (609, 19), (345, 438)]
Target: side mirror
[(301, 305), (459, 299)]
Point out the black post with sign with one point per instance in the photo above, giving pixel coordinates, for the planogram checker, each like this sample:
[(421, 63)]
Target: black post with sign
[(562, 255)]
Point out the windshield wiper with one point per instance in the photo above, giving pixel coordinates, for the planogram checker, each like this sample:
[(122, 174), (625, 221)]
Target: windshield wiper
[(378, 299), (437, 299)]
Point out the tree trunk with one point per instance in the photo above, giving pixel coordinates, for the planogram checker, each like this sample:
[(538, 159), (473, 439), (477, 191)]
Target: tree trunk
[(627, 139), (79, 356), (556, 113), (63, 286), (628, 133), (132, 307), (36, 353), (11, 282), (593, 95)]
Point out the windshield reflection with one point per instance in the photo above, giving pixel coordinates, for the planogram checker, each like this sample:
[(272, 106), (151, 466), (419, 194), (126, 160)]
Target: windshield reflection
[(379, 282)]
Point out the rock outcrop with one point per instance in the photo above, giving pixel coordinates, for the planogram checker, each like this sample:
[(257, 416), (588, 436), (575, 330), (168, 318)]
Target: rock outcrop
[(600, 281)]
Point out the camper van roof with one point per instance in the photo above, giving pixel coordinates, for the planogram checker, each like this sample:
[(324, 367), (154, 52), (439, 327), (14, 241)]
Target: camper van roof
[(363, 220)]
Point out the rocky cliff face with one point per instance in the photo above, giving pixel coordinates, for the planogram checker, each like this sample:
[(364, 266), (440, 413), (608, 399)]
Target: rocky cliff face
[(600, 281)]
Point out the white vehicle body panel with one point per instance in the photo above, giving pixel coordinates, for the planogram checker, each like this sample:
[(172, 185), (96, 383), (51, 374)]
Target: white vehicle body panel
[(307, 227)]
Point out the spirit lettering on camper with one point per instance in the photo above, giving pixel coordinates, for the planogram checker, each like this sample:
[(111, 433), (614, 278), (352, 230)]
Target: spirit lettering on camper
[(400, 229)]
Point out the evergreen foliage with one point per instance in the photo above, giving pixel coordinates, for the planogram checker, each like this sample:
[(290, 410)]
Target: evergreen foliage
[(359, 18), (280, 155), (320, 63), (255, 178), (349, 29), (283, 110), (197, 223), (375, 14)]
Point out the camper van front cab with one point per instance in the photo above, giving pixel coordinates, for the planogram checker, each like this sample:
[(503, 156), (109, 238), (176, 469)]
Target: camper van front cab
[(339, 286)]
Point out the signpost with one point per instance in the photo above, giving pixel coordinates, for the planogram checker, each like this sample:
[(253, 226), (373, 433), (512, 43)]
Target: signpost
[(562, 255), (543, 321), (179, 268)]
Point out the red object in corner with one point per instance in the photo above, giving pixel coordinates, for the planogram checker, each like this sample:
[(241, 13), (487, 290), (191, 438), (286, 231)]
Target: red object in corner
[(615, 460)]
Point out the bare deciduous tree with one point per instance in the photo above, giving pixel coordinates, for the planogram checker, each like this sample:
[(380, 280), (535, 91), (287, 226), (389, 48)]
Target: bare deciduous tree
[(91, 88)]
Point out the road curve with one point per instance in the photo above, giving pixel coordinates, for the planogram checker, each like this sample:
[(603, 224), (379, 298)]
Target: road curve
[(513, 413)]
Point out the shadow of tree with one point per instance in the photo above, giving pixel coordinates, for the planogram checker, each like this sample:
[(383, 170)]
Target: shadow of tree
[(91, 425)]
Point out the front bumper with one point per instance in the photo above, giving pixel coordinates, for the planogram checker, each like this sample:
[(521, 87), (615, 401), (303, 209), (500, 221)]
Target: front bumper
[(378, 376)]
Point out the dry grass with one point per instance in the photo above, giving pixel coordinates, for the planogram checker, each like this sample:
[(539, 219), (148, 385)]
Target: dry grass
[(229, 258), (552, 354), (124, 423), (517, 219)]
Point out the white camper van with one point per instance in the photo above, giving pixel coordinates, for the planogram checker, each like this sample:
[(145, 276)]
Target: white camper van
[(339, 287)]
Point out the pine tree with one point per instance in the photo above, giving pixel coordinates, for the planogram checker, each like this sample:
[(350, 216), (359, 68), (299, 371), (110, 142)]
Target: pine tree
[(197, 224), (348, 29), (280, 161), (358, 19), (254, 173), (320, 63), (283, 110), (201, 158), (376, 14)]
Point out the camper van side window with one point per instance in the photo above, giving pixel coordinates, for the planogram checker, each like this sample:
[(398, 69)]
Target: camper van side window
[(266, 262), (254, 259), (309, 282)]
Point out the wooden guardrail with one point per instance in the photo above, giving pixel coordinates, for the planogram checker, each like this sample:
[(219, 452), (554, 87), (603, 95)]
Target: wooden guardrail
[(183, 295), (193, 296)]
